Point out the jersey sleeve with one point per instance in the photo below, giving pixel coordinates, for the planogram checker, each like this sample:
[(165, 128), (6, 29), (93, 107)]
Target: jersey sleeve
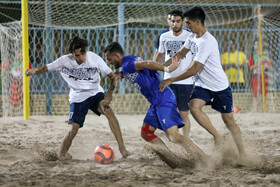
[(56, 65), (129, 67), (104, 68), (187, 43), (204, 50)]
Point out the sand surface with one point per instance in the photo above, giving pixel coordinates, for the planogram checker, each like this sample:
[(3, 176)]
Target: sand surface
[(26, 159)]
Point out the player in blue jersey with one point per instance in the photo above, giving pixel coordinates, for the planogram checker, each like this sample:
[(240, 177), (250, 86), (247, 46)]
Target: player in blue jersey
[(162, 113)]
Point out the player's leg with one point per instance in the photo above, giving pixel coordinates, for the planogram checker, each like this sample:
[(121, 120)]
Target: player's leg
[(182, 93), (185, 116), (98, 108), (196, 106), (77, 114), (148, 134), (67, 140), (174, 136), (223, 103), (235, 132), (150, 124), (115, 128)]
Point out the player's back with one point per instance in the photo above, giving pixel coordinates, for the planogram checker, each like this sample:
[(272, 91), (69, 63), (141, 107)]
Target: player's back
[(146, 81)]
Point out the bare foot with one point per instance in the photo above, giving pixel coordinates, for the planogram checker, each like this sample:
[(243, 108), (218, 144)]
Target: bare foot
[(65, 157), (124, 152), (48, 155)]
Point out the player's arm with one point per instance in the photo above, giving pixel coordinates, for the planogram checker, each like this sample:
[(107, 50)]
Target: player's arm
[(152, 65), (158, 57), (190, 72), (109, 95), (36, 71), (179, 55)]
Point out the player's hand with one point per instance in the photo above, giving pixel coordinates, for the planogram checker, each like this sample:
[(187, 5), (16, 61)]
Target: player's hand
[(175, 64), (103, 107), (119, 75), (29, 72), (107, 100), (163, 84)]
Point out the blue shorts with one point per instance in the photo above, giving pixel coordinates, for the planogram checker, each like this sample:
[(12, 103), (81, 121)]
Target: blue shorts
[(78, 111), (220, 101), (163, 116), (182, 93)]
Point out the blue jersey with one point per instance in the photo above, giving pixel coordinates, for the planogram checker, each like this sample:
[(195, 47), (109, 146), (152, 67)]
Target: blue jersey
[(147, 81)]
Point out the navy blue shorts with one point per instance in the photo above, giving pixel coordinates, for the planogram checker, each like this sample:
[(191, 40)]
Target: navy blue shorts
[(78, 111), (220, 101), (163, 116), (182, 93)]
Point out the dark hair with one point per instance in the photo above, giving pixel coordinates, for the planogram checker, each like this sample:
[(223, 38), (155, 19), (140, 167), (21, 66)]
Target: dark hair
[(177, 13), (195, 13), (114, 47), (77, 43), (169, 13)]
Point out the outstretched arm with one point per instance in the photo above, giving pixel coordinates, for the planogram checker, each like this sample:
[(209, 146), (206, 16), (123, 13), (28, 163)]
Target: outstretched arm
[(190, 72), (36, 71), (152, 65)]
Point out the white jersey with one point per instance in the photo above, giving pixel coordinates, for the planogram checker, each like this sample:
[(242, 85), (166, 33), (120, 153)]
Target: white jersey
[(171, 44), (205, 50), (83, 79)]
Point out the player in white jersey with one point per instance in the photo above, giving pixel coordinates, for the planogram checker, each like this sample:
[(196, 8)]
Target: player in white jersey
[(81, 70), (165, 30), (170, 43), (212, 86)]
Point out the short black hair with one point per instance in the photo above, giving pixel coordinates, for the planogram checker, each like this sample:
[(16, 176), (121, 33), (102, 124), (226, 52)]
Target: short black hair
[(177, 13), (76, 43), (114, 47), (195, 13), (169, 13)]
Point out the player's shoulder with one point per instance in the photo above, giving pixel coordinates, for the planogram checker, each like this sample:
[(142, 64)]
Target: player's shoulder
[(191, 35), (66, 57), (164, 31), (186, 29), (186, 32), (93, 56), (208, 35), (90, 53), (167, 34)]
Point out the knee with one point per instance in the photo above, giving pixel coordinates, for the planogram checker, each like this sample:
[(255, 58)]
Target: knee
[(147, 134), (231, 124), (174, 138), (194, 109)]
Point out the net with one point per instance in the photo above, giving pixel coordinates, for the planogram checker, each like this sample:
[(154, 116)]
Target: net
[(136, 25)]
